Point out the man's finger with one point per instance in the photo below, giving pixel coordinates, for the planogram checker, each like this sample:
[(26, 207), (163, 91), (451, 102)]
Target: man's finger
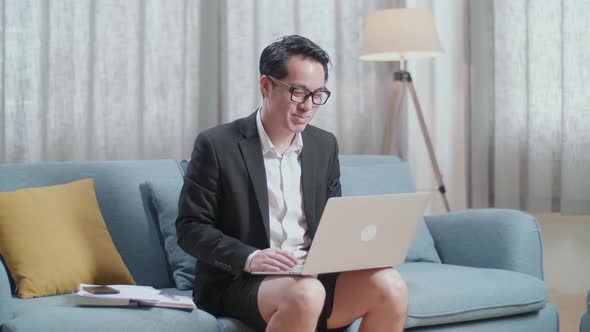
[(269, 268), (276, 263), (288, 255), (283, 259)]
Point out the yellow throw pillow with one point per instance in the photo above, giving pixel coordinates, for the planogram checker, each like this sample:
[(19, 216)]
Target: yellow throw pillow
[(54, 238)]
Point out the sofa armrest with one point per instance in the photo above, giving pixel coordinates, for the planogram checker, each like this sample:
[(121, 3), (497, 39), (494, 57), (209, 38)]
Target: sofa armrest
[(489, 238), (6, 310), (585, 321)]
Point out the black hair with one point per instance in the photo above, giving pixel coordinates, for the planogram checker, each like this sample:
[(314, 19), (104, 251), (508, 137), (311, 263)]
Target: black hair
[(274, 57)]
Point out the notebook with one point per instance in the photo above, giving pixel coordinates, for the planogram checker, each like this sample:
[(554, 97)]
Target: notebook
[(131, 295)]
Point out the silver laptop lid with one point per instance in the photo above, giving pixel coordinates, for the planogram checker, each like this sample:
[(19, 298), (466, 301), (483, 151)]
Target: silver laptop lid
[(363, 232)]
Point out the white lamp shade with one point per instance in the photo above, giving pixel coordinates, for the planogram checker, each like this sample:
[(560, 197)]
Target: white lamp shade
[(400, 34)]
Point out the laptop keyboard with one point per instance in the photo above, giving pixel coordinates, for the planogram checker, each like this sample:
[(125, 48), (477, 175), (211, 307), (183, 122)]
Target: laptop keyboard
[(297, 268)]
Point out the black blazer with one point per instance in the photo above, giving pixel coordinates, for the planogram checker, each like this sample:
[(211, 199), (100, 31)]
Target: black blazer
[(223, 213)]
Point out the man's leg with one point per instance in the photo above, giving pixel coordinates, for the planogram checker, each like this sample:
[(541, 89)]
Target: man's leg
[(291, 303), (380, 296)]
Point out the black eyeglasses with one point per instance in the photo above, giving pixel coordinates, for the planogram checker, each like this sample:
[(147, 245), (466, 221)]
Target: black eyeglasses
[(300, 94)]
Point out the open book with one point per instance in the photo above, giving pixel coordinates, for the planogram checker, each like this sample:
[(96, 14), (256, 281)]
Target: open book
[(130, 295)]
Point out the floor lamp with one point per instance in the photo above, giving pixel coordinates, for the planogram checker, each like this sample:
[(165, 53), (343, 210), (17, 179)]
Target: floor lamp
[(400, 35)]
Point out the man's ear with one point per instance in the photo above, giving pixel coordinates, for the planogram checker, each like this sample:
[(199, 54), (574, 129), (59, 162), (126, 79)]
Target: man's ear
[(264, 85)]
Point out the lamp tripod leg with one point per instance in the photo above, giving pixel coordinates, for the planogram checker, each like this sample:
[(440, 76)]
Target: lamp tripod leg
[(424, 129), (393, 116)]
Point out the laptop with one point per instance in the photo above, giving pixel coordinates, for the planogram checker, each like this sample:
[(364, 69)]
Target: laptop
[(362, 232)]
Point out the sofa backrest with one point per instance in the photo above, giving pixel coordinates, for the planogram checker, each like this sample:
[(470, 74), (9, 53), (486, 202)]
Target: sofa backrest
[(374, 175), (123, 200), (128, 213)]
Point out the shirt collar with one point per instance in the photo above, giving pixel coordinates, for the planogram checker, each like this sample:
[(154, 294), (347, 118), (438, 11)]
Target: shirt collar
[(266, 143)]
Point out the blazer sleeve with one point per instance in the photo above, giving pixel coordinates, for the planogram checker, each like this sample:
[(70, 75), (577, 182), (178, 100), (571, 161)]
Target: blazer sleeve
[(334, 189), (197, 223)]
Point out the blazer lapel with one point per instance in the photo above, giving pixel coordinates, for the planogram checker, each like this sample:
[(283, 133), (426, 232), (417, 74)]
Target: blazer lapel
[(252, 154), (308, 158)]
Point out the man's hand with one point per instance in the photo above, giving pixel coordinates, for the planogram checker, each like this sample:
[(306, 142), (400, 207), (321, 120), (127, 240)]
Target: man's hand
[(272, 260)]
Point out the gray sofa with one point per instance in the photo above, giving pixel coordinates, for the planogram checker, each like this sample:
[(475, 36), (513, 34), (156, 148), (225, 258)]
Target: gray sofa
[(474, 270)]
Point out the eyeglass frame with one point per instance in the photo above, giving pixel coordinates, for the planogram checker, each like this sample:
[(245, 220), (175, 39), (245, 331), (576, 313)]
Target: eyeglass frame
[(309, 94)]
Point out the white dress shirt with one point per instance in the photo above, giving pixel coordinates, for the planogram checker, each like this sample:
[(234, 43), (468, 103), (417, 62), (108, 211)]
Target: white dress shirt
[(285, 196)]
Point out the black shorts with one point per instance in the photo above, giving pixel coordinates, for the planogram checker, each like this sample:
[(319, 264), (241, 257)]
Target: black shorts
[(240, 300)]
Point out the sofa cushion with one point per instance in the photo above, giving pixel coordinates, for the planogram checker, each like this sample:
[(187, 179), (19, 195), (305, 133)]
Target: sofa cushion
[(183, 166), (544, 320), (233, 325), (388, 176), (441, 293), (164, 196), (58, 313), (422, 248), (123, 202), (54, 238)]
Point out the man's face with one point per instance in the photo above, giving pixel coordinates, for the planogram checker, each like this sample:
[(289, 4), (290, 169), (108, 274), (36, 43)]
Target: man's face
[(283, 114)]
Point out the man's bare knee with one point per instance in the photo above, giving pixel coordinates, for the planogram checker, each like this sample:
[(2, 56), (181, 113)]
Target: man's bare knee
[(392, 290), (305, 297)]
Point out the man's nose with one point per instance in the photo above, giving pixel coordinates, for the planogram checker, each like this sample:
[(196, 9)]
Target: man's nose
[(307, 105)]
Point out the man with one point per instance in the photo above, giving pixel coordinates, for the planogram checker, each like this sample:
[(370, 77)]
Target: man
[(252, 198)]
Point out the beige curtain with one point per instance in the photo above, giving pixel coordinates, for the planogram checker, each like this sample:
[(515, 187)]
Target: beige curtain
[(138, 79), (100, 79), (530, 125)]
